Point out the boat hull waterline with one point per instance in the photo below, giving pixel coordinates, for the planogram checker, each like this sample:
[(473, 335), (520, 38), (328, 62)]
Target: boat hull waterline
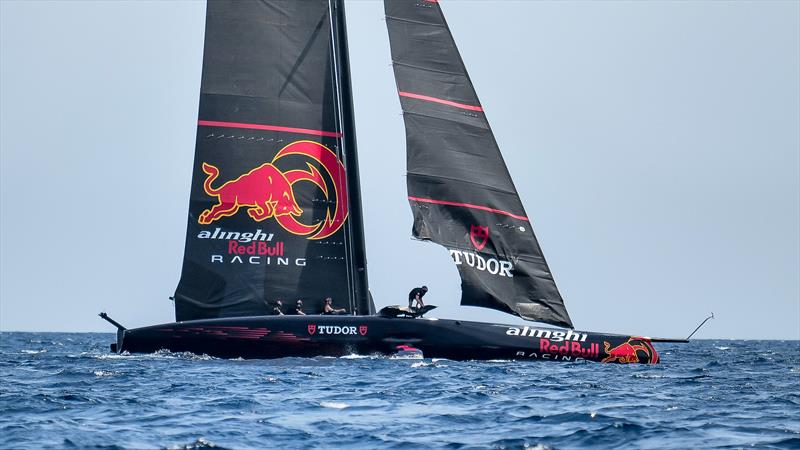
[(265, 337)]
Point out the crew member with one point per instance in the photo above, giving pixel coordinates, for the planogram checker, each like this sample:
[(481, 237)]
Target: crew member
[(278, 309), (298, 309), (416, 295), (329, 309)]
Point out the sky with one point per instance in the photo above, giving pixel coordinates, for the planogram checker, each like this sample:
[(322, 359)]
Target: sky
[(655, 146)]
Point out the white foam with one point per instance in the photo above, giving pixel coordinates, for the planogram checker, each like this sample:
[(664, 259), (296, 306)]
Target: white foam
[(407, 356), (334, 405), (355, 356)]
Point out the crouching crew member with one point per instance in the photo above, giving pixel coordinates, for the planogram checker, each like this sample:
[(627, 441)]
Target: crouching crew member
[(416, 295)]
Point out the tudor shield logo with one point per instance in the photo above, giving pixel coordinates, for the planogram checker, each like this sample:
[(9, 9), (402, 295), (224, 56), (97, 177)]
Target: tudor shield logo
[(479, 236), (321, 330)]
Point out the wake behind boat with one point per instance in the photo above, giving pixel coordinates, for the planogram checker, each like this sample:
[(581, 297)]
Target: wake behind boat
[(275, 206)]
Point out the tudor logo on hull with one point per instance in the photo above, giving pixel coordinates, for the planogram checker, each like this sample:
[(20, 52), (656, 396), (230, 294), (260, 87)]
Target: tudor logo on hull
[(337, 329)]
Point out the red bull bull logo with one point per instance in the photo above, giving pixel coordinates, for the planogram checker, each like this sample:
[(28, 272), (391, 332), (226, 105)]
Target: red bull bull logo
[(269, 193), (634, 350)]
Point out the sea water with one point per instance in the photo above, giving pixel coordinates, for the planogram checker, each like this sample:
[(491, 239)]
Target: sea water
[(65, 390)]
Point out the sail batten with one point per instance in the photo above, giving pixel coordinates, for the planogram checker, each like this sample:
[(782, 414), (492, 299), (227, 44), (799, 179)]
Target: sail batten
[(467, 205), (258, 126), (442, 101), (459, 188)]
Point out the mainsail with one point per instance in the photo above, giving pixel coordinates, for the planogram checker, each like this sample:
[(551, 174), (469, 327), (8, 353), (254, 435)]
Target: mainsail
[(274, 185), (459, 188)]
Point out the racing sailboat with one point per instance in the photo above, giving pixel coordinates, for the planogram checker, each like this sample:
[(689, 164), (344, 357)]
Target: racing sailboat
[(275, 208)]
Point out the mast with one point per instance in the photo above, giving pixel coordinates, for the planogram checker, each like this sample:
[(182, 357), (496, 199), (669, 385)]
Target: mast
[(355, 225)]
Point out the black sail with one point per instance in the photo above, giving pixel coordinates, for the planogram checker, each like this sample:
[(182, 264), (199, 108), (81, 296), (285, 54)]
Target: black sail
[(269, 205), (459, 188)]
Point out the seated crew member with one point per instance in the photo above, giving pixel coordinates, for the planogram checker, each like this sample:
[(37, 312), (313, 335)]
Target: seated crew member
[(278, 309), (416, 295), (329, 309), (298, 309)]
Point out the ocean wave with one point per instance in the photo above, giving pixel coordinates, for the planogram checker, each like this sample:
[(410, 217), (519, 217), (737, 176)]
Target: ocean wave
[(80, 396)]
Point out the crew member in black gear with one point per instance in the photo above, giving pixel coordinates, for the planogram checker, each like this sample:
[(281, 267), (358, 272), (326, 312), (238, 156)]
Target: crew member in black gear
[(278, 309), (328, 308), (416, 295)]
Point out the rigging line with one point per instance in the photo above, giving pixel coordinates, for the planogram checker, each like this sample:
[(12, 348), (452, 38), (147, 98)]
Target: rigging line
[(701, 324)]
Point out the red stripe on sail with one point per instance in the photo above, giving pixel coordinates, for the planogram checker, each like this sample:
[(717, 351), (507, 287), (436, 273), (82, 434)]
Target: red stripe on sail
[(440, 100), (467, 205), (255, 126)]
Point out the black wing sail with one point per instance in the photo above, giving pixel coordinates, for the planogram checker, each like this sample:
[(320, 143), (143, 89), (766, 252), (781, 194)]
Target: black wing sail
[(268, 213), (459, 188)]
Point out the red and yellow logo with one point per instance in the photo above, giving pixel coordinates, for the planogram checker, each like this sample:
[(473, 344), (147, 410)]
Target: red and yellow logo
[(629, 352), (267, 192)]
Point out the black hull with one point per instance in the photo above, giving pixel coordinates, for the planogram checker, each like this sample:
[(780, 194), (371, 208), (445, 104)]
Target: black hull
[(263, 337)]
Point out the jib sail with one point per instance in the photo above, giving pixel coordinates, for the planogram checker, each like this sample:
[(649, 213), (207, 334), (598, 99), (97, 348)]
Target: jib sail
[(274, 188), (459, 188)]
